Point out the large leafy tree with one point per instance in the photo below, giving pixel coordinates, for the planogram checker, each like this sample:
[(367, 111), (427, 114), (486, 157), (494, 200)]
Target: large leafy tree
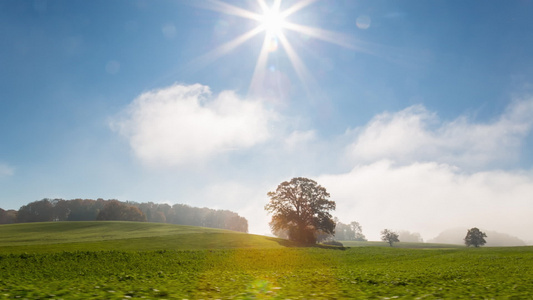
[(301, 208), (474, 237)]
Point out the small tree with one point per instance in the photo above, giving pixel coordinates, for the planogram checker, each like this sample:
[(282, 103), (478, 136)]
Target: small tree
[(474, 237), (301, 207), (389, 236)]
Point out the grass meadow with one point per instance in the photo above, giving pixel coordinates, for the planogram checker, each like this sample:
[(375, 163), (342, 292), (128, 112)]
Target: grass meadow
[(122, 260)]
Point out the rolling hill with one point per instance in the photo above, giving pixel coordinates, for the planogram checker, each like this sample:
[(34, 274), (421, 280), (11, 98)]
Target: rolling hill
[(134, 260), (129, 236), (49, 237)]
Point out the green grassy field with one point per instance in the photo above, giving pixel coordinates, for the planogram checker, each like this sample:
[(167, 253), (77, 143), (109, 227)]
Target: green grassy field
[(401, 245), (127, 236), (199, 263)]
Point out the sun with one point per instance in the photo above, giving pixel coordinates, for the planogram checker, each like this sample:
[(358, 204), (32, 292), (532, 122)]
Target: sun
[(273, 22)]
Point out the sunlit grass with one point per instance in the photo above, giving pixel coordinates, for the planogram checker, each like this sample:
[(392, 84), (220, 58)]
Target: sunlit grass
[(281, 273), (184, 262), (401, 245), (100, 235)]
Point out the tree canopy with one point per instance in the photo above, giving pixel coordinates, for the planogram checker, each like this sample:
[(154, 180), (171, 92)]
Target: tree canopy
[(115, 210), (474, 237), (349, 232), (47, 210), (389, 236), (301, 208), (8, 216)]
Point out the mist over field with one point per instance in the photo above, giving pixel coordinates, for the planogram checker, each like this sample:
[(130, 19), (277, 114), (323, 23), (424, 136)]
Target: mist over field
[(494, 238)]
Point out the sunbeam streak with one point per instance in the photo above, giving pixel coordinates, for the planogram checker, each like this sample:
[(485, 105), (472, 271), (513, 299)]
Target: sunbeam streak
[(229, 9), (273, 22), (297, 63), (260, 68), (264, 6)]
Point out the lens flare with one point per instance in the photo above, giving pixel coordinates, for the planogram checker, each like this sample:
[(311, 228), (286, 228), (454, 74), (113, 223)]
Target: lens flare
[(363, 22), (272, 43)]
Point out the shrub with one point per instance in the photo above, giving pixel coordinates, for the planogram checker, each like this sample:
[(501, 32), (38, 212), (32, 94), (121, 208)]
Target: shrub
[(333, 243)]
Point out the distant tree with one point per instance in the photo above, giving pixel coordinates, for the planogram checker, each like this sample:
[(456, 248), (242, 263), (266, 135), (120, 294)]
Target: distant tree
[(61, 209), (158, 217), (154, 212), (301, 207), (281, 233), (341, 230), (37, 211), (8, 216), (133, 213), (474, 237), (83, 210), (112, 211), (389, 236), (349, 232), (357, 230), (183, 214), (115, 210), (213, 219), (412, 237), (89, 210), (236, 223), (165, 209)]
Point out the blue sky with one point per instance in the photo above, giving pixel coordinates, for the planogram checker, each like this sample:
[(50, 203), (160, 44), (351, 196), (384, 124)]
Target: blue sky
[(412, 114)]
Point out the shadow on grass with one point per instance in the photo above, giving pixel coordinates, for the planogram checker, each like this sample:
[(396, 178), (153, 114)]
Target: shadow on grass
[(284, 242), (292, 244)]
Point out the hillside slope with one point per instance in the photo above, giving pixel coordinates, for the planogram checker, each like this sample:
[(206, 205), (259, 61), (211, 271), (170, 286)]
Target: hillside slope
[(100, 235)]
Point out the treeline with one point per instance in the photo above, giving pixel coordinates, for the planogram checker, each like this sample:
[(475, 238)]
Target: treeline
[(343, 232), (47, 210), (349, 232)]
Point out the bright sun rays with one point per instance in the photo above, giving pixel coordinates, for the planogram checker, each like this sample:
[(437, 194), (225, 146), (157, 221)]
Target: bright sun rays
[(273, 22)]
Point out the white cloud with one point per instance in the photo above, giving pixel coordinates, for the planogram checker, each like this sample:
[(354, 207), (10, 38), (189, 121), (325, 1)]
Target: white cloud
[(415, 134), (184, 124), (6, 170), (410, 170), (431, 197), (415, 172)]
